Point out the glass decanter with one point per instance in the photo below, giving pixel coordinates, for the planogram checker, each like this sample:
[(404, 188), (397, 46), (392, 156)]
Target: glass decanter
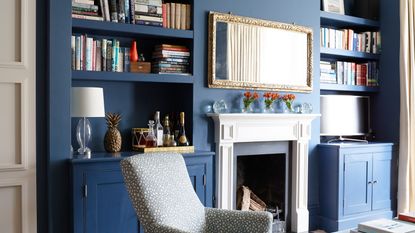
[(151, 139)]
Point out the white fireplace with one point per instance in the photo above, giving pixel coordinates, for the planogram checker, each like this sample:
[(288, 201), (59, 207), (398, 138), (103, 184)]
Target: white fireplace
[(239, 128)]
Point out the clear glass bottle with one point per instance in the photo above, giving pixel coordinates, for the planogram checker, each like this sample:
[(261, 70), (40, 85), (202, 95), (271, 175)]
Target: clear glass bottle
[(158, 129), (172, 141), (166, 131), (151, 139), (182, 140)]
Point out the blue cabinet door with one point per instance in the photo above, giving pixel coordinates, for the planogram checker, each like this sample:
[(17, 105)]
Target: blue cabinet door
[(382, 176), (197, 177), (108, 208), (357, 183)]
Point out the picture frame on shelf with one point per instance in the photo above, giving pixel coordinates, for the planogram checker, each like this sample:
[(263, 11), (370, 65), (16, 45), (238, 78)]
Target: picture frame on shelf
[(333, 6)]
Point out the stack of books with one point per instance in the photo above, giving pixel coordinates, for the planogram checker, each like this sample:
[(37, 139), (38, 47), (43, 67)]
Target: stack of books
[(176, 15), (85, 9), (149, 12), (92, 54), (171, 59), (328, 72), (385, 226), (369, 41)]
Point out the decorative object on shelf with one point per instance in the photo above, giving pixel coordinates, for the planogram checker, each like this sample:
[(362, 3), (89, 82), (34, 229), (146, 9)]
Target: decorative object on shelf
[(220, 107), (151, 139), (141, 58), (133, 52), (269, 99), (333, 6), (140, 67), (112, 139), (236, 65), (139, 137), (86, 102), (248, 99), (288, 101), (306, 108)]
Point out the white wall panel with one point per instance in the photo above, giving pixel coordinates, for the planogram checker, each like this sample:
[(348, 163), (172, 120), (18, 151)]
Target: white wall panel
[(11, 31)]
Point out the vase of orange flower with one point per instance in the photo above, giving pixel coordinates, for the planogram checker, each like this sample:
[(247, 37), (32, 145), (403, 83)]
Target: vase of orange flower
[(288, 100), (269, 99), (248, 99)]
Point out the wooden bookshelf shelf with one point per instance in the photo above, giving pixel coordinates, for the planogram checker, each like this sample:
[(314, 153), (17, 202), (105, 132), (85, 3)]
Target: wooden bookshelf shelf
[(130, 77), (346, 54), (348, 88), (341, 21), (128, 30)]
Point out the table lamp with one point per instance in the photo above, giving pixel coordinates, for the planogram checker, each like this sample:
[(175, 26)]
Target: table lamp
[(86, 102)]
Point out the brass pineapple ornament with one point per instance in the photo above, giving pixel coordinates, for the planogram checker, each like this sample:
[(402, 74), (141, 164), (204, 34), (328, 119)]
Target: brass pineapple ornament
[(112, 139)]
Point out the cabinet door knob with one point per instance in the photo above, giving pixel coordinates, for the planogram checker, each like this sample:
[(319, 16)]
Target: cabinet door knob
[(375, 181), (369, 182)]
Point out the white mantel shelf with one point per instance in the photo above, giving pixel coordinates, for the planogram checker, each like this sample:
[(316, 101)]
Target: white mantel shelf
[(233, 128)]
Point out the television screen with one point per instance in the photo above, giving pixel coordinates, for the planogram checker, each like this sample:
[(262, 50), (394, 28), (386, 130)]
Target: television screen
[(344, 115)]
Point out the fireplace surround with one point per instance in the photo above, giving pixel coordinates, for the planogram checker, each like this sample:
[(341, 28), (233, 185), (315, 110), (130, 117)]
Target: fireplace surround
[(232, 128)]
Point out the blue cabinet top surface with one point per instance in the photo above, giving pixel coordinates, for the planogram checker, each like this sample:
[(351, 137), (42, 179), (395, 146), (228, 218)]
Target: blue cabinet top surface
[(110, 157), (356, 144)]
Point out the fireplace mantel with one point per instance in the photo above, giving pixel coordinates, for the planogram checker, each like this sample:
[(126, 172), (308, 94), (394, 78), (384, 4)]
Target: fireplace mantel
[(233, 128)]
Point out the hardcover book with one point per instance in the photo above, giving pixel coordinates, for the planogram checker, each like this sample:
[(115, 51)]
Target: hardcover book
[(386, 226), (408, 217)]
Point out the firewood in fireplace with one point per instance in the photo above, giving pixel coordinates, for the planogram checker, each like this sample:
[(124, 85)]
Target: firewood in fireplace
[(247, 200)]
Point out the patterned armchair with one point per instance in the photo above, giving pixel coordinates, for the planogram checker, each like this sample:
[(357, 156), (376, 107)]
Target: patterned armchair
[(165, 202)]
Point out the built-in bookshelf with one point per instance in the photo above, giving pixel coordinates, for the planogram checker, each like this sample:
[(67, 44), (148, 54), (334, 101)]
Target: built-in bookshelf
[(138, 95), (357, 42)]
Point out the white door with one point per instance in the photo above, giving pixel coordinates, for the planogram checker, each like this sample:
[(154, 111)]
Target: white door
[(17, 116)]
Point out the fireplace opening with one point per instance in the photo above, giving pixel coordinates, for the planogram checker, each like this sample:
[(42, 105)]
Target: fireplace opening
[(263, 178)]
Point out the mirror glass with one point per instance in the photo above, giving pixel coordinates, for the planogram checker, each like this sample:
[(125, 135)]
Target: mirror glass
[(248, 53)]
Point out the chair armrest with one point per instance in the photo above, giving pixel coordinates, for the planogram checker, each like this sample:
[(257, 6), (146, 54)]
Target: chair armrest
[(220, 220)]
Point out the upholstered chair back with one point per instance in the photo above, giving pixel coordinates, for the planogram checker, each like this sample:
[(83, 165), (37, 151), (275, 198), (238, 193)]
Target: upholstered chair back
[(162, 194)]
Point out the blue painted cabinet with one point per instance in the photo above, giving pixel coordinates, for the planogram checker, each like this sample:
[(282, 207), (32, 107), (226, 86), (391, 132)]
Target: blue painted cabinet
[(100, 200), (356, 184)]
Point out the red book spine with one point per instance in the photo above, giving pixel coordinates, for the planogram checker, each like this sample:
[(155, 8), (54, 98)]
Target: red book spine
[(164, 15), (406, 218)]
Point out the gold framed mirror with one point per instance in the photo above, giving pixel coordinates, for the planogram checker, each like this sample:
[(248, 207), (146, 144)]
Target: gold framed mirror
[(248, 53)]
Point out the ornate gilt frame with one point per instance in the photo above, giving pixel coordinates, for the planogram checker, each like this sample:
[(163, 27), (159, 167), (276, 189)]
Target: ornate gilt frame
[(215, 17)]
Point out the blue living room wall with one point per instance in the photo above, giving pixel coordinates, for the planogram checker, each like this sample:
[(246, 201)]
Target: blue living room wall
[(53, 92), (305, 13)]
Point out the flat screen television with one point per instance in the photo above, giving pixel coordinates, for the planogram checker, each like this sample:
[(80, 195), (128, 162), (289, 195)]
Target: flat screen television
[(344, 115)]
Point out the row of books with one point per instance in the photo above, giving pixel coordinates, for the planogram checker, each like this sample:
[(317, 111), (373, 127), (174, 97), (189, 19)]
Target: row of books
[(369, 42), (177, 16), (171, 59), (144, 12), (349, 73), (92, 54)]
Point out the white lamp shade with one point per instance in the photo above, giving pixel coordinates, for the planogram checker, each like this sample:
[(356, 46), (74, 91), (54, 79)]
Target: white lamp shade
[(87, 102)]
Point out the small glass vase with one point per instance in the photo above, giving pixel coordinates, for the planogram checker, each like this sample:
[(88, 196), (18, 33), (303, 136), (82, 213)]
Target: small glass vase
[(288, 107), (247, 109), (269, 109)]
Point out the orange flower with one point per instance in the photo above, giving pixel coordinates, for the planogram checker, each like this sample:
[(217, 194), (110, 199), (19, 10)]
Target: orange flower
[(249, 98), (270, 98), (256, 95)]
